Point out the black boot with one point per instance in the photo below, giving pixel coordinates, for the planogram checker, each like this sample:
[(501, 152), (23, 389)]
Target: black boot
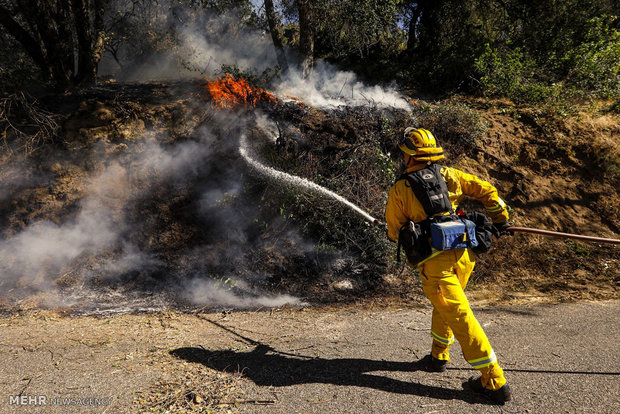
[(431, 364), (497, 396)]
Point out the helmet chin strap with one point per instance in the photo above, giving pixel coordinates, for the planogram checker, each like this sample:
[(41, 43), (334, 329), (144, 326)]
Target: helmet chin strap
[(410, 161)]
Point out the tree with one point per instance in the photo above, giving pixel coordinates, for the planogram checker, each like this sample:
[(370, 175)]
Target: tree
[(359, 35), (63, 38), (306, 36), (276, 37), (356, 29), (134, 32), (446, 37), (412, 12), (88, 19)]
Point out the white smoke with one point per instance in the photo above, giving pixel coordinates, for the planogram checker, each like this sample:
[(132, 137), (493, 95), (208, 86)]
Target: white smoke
[(330, 87), (94, 243), (246, 50), (204, 45), (267, 125), (254, 52), (45, 248), (220, 196), (177, 161), (17, 174), (212, 292)]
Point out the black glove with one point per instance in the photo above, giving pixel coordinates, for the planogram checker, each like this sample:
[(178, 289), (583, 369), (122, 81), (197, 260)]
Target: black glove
[(501, 229)]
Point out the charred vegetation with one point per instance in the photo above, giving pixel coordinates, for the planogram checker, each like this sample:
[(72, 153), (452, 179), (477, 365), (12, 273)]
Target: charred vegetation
[(152, 173)]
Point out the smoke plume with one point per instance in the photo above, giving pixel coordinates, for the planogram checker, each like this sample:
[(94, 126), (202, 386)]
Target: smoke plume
[(162, 218), (205, 43), (104, 247)]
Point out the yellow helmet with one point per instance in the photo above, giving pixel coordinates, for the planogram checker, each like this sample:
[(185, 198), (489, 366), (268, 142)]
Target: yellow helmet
[(421, 145)]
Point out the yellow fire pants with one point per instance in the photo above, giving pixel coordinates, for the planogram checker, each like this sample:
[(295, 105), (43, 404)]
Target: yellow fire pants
[(444, 278)]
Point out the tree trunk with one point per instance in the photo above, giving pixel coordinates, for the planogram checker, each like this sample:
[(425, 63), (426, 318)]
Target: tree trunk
[(64, 38), (276, 37), (429, 25), (412, 38), (306, 36), (87, 68), (65, 43), (41, 17), (99, 10), (32, 47)]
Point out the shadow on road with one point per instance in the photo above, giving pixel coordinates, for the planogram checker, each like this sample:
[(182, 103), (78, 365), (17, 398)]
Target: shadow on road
[(267, 367)]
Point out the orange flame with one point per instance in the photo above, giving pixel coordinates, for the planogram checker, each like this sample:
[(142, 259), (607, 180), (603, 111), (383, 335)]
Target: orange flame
[(228, 92)]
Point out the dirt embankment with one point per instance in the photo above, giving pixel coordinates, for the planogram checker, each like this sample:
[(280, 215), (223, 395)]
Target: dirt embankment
[(165, 221), (558, 174)]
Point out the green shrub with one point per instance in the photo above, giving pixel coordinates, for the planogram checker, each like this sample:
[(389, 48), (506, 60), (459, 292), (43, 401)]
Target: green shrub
[(455, 125), (592, 68), (595, 64), (511, 73)]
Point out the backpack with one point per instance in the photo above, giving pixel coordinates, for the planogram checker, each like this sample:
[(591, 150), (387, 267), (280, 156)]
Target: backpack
[(439, 231)]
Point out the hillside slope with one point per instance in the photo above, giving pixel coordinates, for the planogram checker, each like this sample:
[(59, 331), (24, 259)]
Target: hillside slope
[(558, 174), (134, 197)]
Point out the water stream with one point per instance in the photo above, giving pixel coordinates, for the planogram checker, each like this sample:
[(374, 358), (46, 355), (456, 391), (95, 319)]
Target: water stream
[(296, 181)]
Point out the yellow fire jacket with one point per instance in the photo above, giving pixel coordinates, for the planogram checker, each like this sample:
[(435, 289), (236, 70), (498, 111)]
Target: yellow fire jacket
[(403, 205)]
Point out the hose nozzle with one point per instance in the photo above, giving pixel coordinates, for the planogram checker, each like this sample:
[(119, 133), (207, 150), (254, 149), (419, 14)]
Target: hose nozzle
[(378, 223)]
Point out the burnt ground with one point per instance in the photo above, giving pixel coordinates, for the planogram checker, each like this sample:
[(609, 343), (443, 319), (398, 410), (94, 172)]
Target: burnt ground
[(142, 191)]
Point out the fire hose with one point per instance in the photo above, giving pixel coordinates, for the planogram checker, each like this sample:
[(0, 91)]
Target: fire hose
[(546, 233), (563, 235)]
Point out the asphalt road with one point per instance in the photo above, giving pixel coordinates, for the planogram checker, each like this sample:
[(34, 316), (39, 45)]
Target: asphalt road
[(558, 358)]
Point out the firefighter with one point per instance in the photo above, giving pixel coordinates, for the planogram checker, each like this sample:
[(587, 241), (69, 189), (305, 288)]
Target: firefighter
[(444, 274)]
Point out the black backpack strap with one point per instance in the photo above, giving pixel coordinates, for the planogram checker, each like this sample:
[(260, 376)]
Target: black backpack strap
[(430, 189), (467, 238)]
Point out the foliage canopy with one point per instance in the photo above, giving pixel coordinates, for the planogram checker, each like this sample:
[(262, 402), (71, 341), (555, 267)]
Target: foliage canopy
[(523, 49)]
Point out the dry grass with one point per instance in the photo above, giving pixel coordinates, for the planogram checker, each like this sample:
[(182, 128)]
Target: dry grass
[(24, 126), (204, 391), (602, 136)]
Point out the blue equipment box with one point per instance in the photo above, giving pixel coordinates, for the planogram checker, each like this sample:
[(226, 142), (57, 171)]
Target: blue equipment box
[(451, 235)]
